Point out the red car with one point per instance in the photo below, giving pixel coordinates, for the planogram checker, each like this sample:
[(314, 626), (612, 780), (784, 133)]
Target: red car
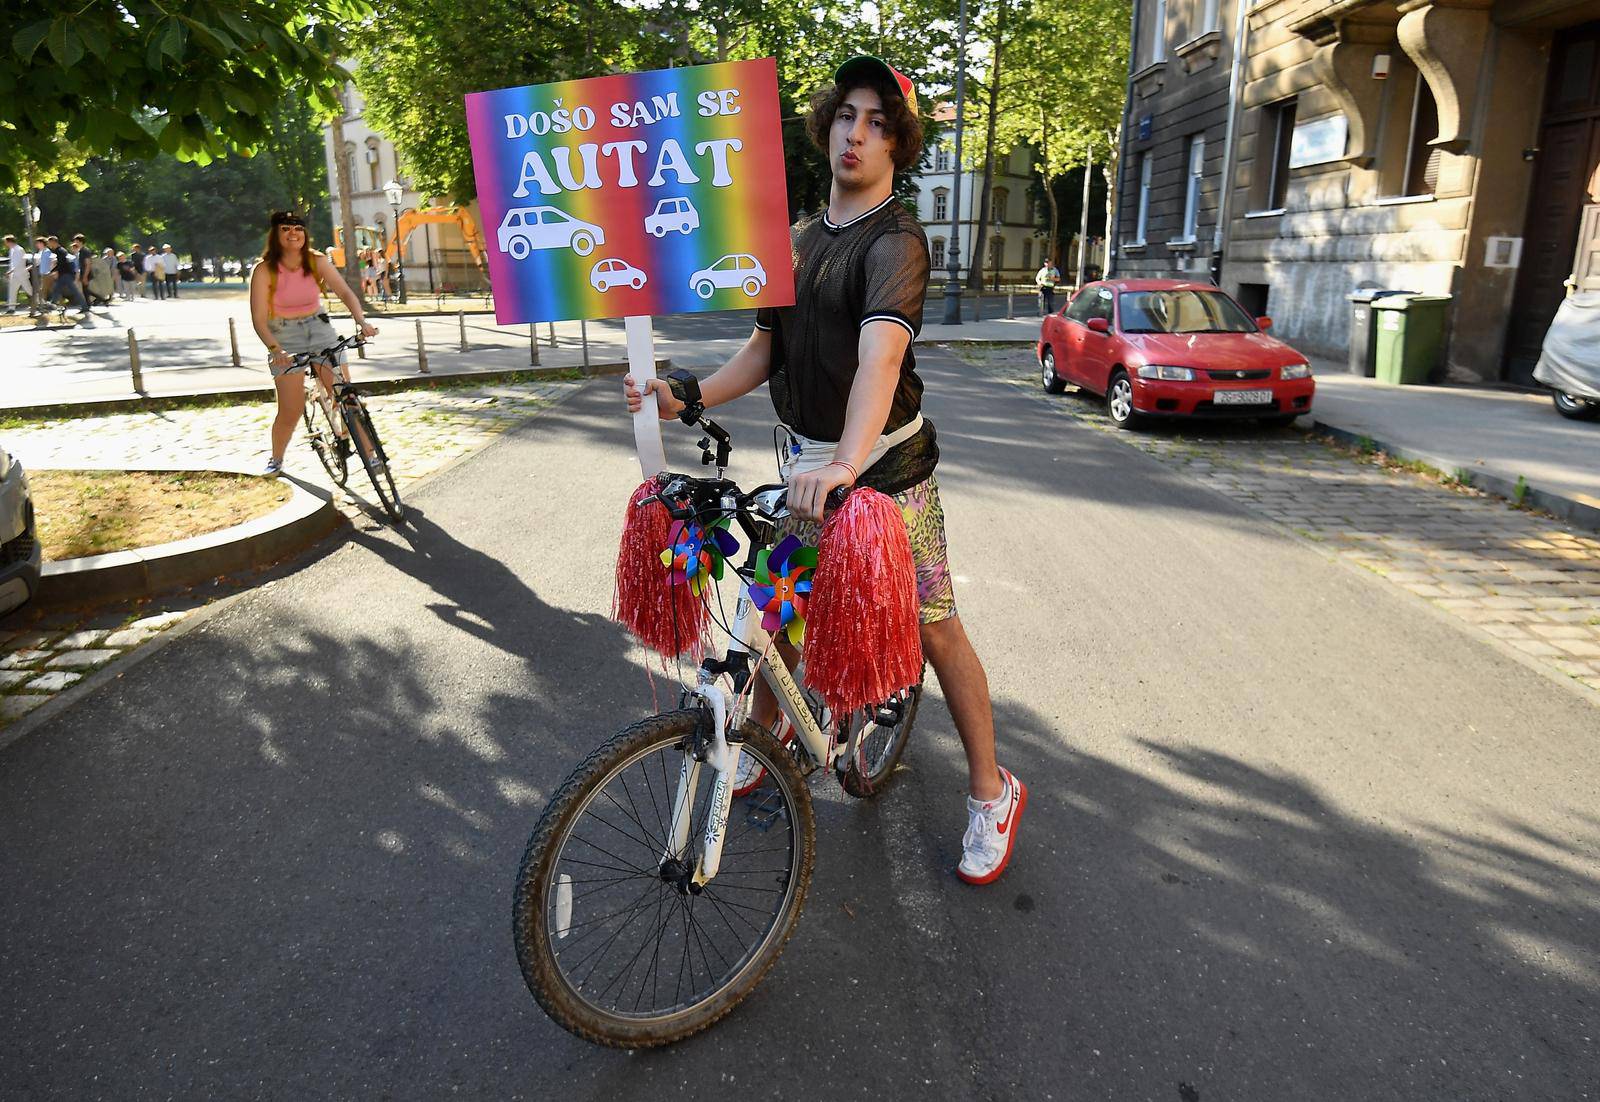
[(1165, 348)]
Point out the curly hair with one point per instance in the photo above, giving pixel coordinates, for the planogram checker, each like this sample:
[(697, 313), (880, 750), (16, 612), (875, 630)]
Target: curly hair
[(904, 130)]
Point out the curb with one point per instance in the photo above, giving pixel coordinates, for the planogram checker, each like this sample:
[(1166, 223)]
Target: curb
[(304, 519), (1577, 509), (161, 403)]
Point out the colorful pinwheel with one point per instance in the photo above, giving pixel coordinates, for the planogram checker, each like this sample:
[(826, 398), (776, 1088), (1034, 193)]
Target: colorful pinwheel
[(783, 586), (696, 555)]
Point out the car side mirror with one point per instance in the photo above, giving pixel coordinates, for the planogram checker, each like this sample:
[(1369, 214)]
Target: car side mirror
[(1099, 325), (1263, 324)]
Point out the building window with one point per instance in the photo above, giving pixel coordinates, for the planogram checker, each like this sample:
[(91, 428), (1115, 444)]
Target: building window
[(1030, 209), (997, 253), (1158, 33), (1272, 155), (936, 247), (374, 164), (1191, 196), (1001, 200), (350, 163), (941, 204), (941, 159), (1422, 159), (1027, 254), (1143, 219)]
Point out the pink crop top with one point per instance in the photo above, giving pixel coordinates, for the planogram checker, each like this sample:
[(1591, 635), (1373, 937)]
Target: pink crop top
[(296, 294)]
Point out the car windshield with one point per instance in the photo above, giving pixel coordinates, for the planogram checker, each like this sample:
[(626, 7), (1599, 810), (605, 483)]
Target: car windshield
[(1184, 311)]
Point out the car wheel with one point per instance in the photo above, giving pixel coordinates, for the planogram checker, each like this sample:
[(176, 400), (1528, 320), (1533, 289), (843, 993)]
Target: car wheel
[(582, 244), (518, 248), (658, 231), (1053, 383), (752, 287), (1119, 402), (704, 288), (686, 229), (1574, 408), (1278, 421), (637, 282)]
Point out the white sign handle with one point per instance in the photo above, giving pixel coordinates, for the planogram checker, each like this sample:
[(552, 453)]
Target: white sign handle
[(646, 423)]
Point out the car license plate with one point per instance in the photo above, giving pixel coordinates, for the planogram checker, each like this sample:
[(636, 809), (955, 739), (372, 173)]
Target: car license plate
[(1242, 397)]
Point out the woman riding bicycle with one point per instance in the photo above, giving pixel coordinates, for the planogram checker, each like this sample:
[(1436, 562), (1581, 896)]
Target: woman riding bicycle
[(286, 309)]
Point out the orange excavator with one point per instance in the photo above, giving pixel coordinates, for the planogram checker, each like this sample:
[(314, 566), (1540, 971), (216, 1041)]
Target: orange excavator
[(369, 237)]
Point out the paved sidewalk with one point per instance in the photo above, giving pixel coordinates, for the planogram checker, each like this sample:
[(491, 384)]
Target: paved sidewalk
[(1499, 436), (44, 653), (1525, 579)]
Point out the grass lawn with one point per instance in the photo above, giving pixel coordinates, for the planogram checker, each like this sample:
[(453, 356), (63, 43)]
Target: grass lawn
[(95, 512)]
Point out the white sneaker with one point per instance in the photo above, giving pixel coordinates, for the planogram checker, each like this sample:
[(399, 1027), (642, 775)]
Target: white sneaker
[(274, 468), (991, 832)]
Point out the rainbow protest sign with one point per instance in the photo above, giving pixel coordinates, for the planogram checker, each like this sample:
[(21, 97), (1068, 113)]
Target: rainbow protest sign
[(647, 193)]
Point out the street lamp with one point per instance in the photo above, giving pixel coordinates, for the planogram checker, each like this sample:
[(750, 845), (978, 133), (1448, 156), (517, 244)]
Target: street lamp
[(394, 193), (952, 292)]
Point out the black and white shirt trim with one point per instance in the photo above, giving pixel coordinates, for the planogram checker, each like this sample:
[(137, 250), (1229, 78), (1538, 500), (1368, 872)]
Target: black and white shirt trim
[(832, 225), (896, 318)]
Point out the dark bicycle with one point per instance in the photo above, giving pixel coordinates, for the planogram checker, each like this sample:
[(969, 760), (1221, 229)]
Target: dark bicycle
[(337, 423)]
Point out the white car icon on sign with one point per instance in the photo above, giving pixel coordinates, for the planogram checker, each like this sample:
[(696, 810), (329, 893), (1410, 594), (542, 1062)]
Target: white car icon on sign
[(527, 228), (611, 273), (734, 270), (672, 215)]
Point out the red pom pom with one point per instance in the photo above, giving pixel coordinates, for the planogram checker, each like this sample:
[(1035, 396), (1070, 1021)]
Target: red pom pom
[(863, 639), (669, 619)]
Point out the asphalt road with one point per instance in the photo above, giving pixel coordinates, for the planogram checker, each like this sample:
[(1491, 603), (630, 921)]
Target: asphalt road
[(1291, 834)]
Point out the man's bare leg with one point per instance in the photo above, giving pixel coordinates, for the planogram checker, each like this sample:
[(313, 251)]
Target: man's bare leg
[(966, 691)]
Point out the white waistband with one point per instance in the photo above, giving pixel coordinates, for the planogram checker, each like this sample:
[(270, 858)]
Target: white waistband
[(807, 455)]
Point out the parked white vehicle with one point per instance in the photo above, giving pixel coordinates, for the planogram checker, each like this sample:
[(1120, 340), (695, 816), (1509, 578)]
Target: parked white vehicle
[(734, 270), (672, 215), (612, 272), (527, 228)]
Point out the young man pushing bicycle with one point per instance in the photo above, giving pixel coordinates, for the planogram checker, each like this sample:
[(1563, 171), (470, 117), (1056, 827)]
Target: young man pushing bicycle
[(842, 374)]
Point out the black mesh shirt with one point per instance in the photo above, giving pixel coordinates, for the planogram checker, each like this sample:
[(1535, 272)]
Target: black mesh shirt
[(872, 268)]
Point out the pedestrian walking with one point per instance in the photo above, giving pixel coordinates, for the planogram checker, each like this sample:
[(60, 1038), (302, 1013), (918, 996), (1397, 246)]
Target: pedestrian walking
[(155, 272), (136, 258), (44, 273), (169, 262), (1047, 279), (127, 276), (66, 273), (380, 262), (103, 278), (286, 309), (82, 259), (16, 273), (369, 275)]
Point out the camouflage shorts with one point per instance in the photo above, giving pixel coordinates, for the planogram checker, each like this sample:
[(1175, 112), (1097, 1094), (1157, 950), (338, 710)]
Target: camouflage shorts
[(924, 517)]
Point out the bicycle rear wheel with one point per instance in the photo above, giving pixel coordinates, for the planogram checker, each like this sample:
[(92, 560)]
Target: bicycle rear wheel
[(614, 941), (324, 439), (869, 768), (365, 438)]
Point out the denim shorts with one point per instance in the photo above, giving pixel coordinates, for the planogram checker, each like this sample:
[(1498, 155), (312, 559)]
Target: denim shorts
[(312, 333)]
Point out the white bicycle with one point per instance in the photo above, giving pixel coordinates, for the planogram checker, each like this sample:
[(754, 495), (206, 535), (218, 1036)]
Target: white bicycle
[(670, 868)]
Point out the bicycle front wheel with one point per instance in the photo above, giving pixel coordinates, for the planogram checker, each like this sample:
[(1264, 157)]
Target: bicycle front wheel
[(615, 941), (365, 438), (320, 431)]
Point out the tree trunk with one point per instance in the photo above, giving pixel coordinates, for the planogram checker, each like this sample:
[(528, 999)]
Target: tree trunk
[(347, 216), (1052, 248), (981, 234)]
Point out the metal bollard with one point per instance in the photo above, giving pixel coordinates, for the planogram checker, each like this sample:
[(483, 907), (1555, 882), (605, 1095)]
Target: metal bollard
[(233, 339), (461, 316), (977, 306), (422, 352), (583, 329), (533, 345), (1011, 304), (552, 334), (133, 362)]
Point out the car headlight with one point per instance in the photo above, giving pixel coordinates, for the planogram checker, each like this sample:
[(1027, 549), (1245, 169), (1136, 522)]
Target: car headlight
[(1162, 371), (1295, 371)]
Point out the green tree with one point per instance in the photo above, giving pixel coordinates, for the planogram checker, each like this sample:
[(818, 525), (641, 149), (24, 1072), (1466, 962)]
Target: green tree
[(141, 77)]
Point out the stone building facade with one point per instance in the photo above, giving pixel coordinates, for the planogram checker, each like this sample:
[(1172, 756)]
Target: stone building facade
[(1450, 147), (1176, 136)]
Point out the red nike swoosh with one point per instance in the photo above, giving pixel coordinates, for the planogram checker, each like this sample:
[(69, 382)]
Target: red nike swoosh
[(1002, 828)]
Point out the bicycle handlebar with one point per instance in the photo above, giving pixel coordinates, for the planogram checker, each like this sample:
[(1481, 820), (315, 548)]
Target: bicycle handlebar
[(307, 359), (687, 497)]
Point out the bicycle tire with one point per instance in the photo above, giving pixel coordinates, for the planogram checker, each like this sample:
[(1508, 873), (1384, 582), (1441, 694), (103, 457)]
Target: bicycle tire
[(872, 768), (533, 909), (324, 440), (373, 458)]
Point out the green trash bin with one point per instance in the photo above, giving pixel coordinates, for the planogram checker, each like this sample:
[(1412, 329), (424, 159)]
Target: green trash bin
[(1410, 338)]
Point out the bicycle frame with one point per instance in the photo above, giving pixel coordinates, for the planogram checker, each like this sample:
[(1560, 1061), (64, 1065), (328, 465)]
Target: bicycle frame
[(749, 641)]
